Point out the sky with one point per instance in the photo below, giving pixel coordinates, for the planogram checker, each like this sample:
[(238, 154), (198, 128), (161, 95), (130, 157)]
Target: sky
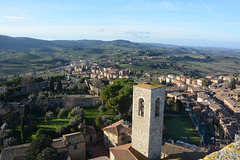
[(214, 23)]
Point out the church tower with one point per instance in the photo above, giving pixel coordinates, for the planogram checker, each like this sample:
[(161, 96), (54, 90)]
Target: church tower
[(147, 119)]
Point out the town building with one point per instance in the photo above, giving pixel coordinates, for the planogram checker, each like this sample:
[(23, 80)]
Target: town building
[(71, 145), (118, 133)]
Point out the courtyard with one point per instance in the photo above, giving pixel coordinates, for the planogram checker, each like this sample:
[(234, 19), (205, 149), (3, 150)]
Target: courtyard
[(181, 128)]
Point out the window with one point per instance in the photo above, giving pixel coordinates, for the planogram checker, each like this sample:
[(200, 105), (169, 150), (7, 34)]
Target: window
[(157, 107), (141, 107), (75, 147), (91, 138)]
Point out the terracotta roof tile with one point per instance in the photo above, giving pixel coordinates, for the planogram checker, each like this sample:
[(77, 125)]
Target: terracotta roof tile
[(90, 130), (126, 152), (118, 128)]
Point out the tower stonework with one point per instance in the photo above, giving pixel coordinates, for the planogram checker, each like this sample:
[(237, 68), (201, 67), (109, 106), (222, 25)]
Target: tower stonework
[(147, 119)]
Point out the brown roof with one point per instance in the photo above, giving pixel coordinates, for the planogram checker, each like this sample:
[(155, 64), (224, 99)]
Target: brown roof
[(126, 152), (176, 151), (14, 151), (90, 130), (118, 128)]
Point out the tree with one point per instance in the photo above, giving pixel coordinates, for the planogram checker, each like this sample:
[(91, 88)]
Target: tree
[(49, 114), (32, 96), (22, 129), (61, 130), (170, 101), (11, 141), (4, 134), (11, 118), (110, 91), (232, 84), (205, 82), (48, 153), (41, 96), (175, 107), (118, 95), (51, 84), (46, 118), (102, 108), (113, 103), (37, 146), (63, 113), (25, 80), (59, 85), (76, 111), (26, 110), (99, 123), (75, 121), (1, 96)]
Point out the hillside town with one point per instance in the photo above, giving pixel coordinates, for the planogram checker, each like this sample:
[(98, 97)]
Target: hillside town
[(211, 103)]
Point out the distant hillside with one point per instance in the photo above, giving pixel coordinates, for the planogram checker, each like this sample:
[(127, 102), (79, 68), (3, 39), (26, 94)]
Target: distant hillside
[(21, 43), (26, 44)]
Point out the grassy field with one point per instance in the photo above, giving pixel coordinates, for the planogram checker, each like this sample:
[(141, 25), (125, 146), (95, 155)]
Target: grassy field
[(181, 128), (53, 124), (94, 111), (50, 125)]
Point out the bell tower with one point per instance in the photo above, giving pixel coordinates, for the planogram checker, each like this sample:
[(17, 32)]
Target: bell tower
[(147, 119)]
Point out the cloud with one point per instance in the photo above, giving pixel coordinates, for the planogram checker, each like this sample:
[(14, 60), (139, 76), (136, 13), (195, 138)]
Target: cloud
[(170, 6), (138, 34), (14, 17), (164, 5), (207, 7), (101, 30)]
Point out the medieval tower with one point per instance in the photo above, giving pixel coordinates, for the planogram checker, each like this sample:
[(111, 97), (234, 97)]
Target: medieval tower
[(147, 119)]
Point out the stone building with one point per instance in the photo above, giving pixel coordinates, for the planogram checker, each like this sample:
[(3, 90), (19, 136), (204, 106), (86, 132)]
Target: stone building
[(73, 145), (90, 134), (118, 133)]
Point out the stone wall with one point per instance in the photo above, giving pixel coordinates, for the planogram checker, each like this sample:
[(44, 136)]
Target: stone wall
[(83, 101)]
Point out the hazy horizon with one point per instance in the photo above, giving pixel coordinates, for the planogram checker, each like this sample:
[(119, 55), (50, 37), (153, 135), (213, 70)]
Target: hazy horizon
[(187, 23)]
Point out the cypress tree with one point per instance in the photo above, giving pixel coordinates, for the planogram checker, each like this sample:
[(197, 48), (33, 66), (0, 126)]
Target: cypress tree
[(22, 129), (59, 85), (51, 84)]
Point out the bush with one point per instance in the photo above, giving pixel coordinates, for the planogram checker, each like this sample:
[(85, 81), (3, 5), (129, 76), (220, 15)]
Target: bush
[(46, 118), (95, 103), (42, 131), (4, 134), (49, 153), (99, 123), (41, 96), (104, 118), (11, 141), (102, 108), (63, 113), (76, 111), (75, 121), (61, 130), (37, 146), (49, 114), (106, 121)]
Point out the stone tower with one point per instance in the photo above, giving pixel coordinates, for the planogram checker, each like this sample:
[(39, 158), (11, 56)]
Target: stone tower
[(147, 119)]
